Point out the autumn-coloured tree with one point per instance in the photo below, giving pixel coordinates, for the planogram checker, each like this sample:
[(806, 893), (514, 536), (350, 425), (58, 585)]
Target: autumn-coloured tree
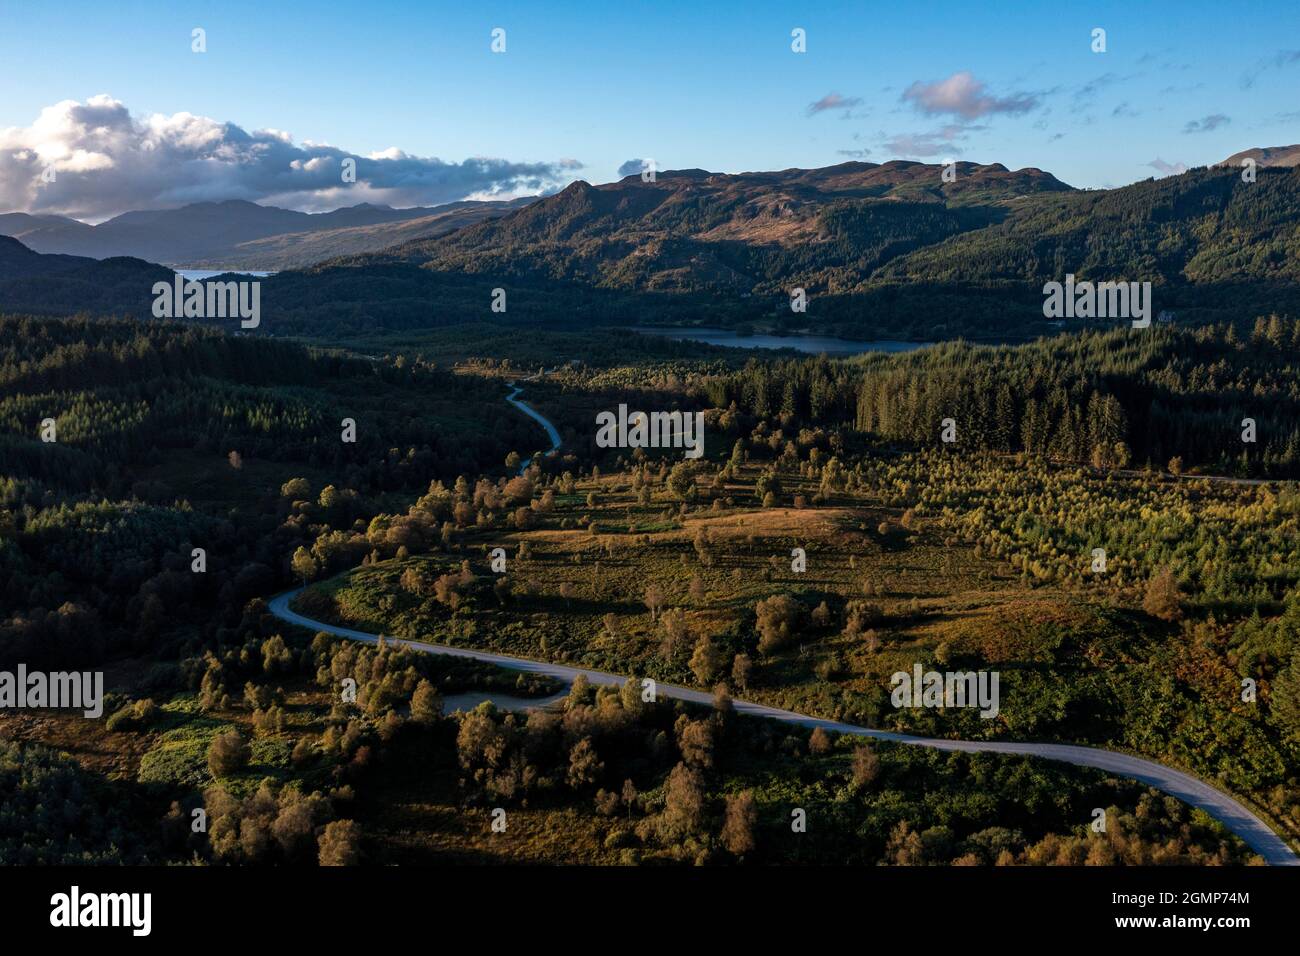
[(446, 589), (304, 565), (697, 590), (681, 480), (413, 581), (503, 590), (866, 766), (695, 740), (738, 825), (518, 490), (742, 669), (228, 753), (426, 703), (777, 621), (708, 660), (703, 545), (684, 803), (904, 847), (654, 600), (340, 844), (1163, 598), (675, 633), (295, 489), (820, 742), (585, 766), (580, 693)]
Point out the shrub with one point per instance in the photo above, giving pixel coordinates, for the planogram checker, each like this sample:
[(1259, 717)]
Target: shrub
[(228, 753)]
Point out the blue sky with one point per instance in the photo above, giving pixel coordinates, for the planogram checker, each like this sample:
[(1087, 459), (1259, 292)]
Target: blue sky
[(711, 85)]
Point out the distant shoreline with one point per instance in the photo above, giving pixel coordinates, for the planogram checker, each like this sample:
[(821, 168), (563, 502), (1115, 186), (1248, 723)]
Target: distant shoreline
[(810, 344)]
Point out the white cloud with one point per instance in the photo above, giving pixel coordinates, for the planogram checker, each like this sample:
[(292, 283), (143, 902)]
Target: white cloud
[(833, 101), (107, 161), (1167, 169), (963, 95)]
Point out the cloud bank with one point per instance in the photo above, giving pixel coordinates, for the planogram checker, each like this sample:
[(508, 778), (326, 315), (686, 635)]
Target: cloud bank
[(106, 161)]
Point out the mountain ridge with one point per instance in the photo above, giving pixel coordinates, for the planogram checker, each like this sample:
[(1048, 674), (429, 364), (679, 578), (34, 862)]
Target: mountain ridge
[(890, 250), (1285, 156), (225, 233)]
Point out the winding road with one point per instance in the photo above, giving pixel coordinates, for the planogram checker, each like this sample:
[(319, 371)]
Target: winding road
[(1191, 790), (1184, 786), (536, 416)]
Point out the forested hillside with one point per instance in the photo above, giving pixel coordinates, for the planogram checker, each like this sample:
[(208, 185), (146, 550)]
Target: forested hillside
[(883, 251), (891, 249), (170, 437), (1124, 398)]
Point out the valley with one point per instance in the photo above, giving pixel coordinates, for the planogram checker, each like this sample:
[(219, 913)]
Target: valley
[(861, 508)]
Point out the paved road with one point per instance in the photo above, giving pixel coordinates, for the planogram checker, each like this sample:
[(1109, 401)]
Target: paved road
[(536, 416), (1185, 787)]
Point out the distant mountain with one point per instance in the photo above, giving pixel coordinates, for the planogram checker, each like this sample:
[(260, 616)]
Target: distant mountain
[(1267, 156), (219, 234), (293, 250), (692, 230), (44, 233), (882, 250)]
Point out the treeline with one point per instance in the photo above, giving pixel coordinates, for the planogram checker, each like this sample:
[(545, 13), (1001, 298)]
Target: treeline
[(122, 393), (1111, 399)]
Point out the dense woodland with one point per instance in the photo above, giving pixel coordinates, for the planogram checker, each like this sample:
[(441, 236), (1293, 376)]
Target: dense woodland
[(173, 437), (1124, 398)]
